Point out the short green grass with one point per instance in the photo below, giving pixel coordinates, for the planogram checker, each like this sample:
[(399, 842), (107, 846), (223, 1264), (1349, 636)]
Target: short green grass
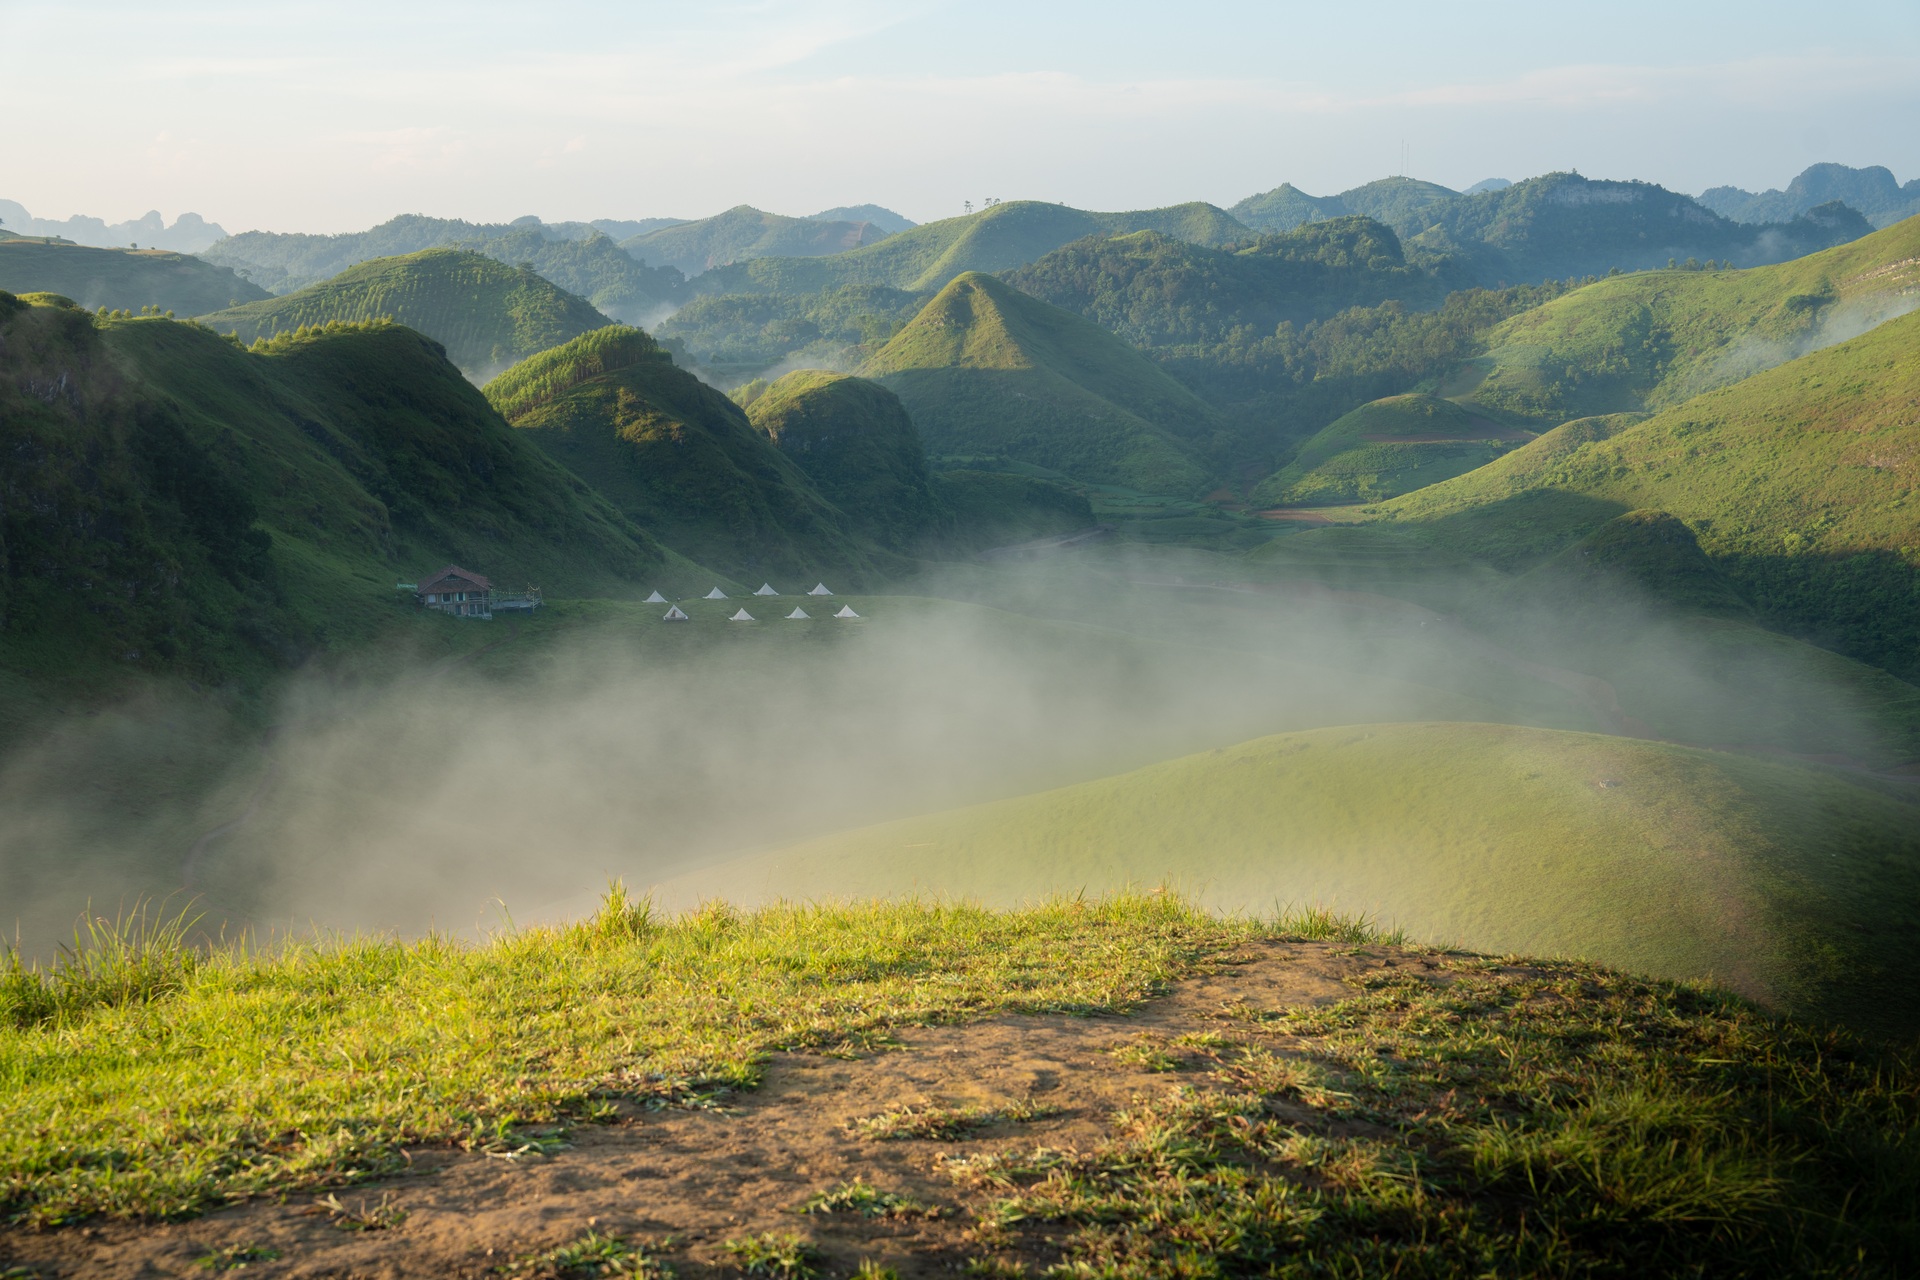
[(1792, 884), (947, 1124), (1459, 1119), (863, 1198), (1455, 1116), (1386, 448), (310, 1068), (594, 1253)]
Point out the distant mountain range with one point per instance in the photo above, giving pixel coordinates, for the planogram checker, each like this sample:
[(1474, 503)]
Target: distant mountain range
[(189, 233), (1873, 191)]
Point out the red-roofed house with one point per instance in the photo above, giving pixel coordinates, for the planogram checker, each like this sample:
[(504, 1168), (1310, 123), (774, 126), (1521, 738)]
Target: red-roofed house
[(454, 590)]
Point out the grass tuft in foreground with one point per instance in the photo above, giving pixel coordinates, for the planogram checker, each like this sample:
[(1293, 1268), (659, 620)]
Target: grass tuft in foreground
[(593, 1254), (310, 1069)]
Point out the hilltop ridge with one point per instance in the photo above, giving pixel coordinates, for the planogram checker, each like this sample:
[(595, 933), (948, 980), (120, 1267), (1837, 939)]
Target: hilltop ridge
[(486, 314), (985, 369)]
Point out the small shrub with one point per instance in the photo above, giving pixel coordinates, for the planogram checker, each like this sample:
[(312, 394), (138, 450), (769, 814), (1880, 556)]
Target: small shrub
[(863, 1198), (593, 1254), (775, 1253)]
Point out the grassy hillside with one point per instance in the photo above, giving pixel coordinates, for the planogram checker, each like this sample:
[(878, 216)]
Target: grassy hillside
[(121, 279), (737, 336), (997, 238), (856, 443), (1791, 885), (584, 261), (743, 233), (186, 504), (1387, 448), (1652, 340), (675, 456), (486, 314), (1798, 482), (984, 369), (1293, 1098)]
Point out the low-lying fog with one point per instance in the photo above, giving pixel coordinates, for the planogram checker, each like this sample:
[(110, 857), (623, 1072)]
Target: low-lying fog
[(631, 747)]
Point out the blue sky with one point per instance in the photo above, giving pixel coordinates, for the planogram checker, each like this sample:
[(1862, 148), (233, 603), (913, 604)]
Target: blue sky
[(333, 116)]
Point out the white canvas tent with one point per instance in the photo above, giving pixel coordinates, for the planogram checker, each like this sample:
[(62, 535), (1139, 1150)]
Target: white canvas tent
[(819, 589), (673, 615), (716, 594), (846, 611), (766, 589), (656, 598), (798, 612), (741, 616)]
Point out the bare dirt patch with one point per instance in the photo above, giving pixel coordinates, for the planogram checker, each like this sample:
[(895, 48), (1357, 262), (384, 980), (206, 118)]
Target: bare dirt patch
[(682, 1183)]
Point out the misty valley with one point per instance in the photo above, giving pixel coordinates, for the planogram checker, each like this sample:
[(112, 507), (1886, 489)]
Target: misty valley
[(1361, 735)]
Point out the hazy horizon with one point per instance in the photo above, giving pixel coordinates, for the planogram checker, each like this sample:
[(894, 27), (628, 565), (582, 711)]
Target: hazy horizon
[(336, 119)]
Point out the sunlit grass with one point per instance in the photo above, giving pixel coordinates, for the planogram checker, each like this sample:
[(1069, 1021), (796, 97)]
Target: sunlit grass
[(311, 1067)]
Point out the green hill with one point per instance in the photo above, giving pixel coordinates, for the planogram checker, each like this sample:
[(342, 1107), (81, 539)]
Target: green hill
[(1156, 291), (1394, 201), (1387, 448), (675, 456), (1664, 859), (583, 261), (743, 233), (184, 503), (1797, 480), (741, 335), (1562, 225), (997, 238), (880, 216), (1652, 340), (986, 370), (120, 279), (487, 315), (856, 443)]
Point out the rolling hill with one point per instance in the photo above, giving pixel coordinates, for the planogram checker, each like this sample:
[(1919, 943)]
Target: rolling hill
[(1652, 340), (187, 504), (1386, 448), (889, 222), (486, 314), (997, 238), (1395, 201), (1798, 481), (1154, 290), (120, 279), (583, 261), (856, 443), (1792, 885), (744, 232), (986, 370), (676, 457), (1562, 225)]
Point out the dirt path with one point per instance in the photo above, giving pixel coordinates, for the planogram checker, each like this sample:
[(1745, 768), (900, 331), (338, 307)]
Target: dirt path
[(686, 1181)]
